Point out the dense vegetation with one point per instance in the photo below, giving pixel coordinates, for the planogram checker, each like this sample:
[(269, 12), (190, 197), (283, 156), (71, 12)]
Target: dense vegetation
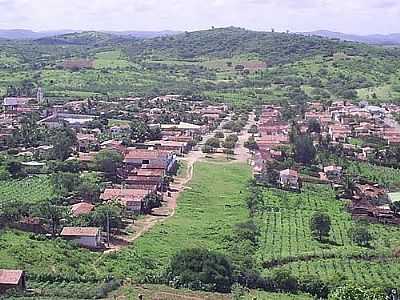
[(228, 64)]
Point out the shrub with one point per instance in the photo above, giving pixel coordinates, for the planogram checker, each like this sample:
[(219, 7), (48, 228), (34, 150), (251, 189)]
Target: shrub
[(200, 269)]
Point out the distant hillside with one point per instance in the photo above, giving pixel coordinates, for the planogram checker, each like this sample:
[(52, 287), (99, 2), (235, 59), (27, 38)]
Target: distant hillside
[(376, 39), (88, 38), (272, 47), (24, 34)]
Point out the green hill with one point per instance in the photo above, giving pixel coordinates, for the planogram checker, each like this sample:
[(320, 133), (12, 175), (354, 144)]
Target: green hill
[(224, 64)]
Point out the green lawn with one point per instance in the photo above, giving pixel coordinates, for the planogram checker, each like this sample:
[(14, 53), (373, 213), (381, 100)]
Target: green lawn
[(205, 215)]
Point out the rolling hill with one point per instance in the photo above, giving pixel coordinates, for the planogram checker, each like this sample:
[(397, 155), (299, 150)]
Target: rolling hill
[(375, 39), (223, 64)]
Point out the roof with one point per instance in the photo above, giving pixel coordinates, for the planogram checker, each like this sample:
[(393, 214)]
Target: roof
[(11, 101), (394, 197), (82, 208), (133, 194), (144, 154), (80, 231), (332, 168), (181, 125), (289, 172), (150, 172), (33, 164), (10, 276)]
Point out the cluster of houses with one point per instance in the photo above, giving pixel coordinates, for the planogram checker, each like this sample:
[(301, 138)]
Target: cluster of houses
[(146, 166), (339, 123)]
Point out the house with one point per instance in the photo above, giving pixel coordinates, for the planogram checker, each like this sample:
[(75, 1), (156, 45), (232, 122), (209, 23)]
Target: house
[(178, 148), (289, 178), (333, 172), (14, 105), (72, 120), (89, 237), (131, 199), (82, 208), (12, 279), (87, 142), (186, 128), (138, 158)]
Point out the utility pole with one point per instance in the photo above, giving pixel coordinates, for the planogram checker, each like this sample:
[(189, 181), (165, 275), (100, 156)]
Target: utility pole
[(108, 229)]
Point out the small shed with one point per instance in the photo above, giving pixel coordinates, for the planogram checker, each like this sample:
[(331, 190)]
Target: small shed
[(89, 237), (12, 279)]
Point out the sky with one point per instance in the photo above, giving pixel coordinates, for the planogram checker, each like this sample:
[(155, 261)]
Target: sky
[(349, 16)]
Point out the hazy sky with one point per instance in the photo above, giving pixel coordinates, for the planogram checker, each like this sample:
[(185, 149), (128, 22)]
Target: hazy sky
[(350, 16)]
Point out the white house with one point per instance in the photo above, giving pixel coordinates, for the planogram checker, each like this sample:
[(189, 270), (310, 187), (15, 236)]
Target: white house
[(289, 178), (89, 237)]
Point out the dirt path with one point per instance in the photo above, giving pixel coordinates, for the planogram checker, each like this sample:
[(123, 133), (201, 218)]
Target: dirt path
[(168, 208), (166, 211)]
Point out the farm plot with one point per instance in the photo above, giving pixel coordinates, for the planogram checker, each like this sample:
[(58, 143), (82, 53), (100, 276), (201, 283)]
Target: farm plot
[(31, 190), (287, 240)]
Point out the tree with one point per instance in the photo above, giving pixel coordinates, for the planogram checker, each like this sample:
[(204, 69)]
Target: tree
[(89, 191), (314, 126), (213, 142), (228, 144), (65, 183), (251, 144), (108, 161), (139, 131), (360, 235), (62, 139), (12, 211), (395, 207), (320, 225), (283, 280), (201, 269), (107, 214), (53, 215), (304, 150), (15, 169)]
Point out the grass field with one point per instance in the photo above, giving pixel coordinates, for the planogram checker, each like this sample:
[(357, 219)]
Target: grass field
[(166, 293), (205, 215), (286, 235), (46, 260)]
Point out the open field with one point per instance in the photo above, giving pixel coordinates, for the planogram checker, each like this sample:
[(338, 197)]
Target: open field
[(286, 237), (204, 217)]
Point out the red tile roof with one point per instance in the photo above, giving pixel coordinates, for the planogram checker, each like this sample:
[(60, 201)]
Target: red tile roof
[(82, 208), (11, 277)]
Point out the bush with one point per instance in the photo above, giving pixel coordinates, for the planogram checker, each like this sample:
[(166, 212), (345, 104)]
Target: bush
[(284, 281), (200, 269)]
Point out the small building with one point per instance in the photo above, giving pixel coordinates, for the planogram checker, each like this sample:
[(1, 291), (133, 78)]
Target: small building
[(82, 208), (333, 172), (131, 199), (89, 237), (289, 178), (12, 279)]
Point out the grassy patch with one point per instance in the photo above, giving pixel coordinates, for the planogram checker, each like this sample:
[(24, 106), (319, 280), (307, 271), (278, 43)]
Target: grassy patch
[(205, 215)]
